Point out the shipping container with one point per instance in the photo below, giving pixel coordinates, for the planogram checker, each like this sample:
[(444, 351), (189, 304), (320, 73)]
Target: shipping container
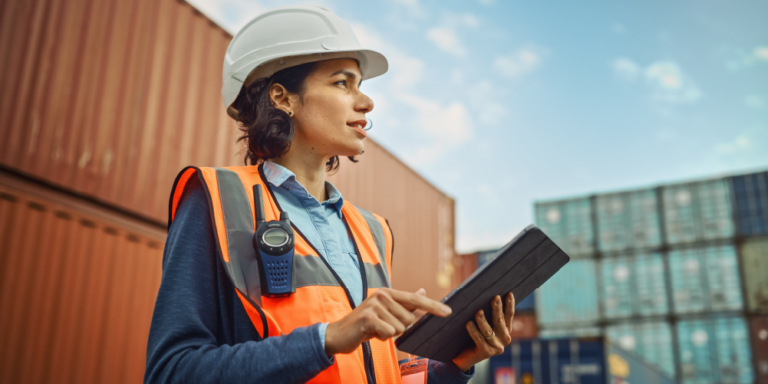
[(565, 361), (750, 195), (77, 288), (628, 220), (715, 350), (705, 279), (754, 264), (571, 331), (570, 296), (651, 340), (465, 265), (111, 99), (698, 211), (759, 336), (524, 326), (633, 286), (569, 224)]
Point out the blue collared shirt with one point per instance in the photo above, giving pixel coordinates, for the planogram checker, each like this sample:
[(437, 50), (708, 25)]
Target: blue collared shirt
[(320, 222)]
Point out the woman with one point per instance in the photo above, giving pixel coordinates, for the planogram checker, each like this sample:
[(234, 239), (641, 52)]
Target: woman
[(292, 81)]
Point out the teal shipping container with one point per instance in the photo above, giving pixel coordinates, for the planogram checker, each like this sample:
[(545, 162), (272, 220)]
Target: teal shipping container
[(570, 296), (650, 340), (715, 350), (627, 220), (569, 224), (754, 264), (577, 331), (698, 211), (633, 286), (705, 279)]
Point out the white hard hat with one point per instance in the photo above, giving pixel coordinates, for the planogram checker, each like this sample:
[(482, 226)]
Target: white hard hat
[(289, 36)]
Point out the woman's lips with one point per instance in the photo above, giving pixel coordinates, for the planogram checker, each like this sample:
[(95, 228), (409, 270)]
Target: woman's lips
[(358, 128)]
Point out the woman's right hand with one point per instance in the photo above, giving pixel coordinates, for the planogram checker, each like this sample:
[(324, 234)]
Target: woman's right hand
[(386, 313)]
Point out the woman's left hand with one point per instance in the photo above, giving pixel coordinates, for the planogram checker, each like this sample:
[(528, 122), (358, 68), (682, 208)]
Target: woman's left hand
[(489, 340)]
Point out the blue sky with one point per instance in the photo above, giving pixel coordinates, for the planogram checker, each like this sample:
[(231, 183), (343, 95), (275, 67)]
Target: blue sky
[(502, 103)]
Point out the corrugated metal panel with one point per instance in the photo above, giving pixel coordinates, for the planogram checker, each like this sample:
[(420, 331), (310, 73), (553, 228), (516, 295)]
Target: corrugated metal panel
[(569, 224), (650, 340), (754, 264), (112, 98), (633, 286), (698, 211), (421, 217), (570, 296), (524, 326), (759, 336), (465, 266), (715, 350), (77, 291), (575, 331), (627, 220), (705, 279), (750, 195)]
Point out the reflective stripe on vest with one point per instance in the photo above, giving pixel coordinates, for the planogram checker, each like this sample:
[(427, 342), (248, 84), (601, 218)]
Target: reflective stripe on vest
[(320, 295)]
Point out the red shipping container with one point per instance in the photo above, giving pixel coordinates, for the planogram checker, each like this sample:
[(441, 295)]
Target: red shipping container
[(524, 326), (759, 331)]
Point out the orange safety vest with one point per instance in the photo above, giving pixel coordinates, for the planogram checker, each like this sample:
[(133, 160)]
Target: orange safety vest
[(320, 296)]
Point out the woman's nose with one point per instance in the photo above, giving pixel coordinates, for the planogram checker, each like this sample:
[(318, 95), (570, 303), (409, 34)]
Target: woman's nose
[(364, 103)]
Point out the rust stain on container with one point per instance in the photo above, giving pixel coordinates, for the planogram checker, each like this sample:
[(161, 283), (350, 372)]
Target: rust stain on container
[(759, 335), (77, 289)]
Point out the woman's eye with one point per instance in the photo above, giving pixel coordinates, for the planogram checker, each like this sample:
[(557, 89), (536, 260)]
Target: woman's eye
[(341, 82)]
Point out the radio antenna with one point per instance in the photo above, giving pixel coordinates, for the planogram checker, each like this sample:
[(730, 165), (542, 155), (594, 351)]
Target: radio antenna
[(258, 205)]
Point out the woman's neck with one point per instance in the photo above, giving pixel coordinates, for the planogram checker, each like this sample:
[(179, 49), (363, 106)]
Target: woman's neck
[(309, 171)]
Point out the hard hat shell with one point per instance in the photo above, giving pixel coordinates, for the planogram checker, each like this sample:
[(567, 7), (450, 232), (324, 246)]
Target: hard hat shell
[(289, 36)]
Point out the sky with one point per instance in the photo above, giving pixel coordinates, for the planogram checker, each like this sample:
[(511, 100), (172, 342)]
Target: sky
[(503, 103)]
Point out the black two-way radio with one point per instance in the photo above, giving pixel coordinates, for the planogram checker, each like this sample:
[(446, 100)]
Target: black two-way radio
[(274, 246)]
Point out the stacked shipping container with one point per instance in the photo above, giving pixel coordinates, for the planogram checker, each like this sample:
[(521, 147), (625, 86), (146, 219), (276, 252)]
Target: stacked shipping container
[(673, 273), (101, 104)]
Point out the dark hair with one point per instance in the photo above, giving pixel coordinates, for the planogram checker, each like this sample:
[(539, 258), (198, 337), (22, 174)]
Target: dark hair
[(268, 130)]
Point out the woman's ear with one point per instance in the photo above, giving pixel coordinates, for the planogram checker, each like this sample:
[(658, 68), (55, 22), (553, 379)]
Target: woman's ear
[(280, 97)]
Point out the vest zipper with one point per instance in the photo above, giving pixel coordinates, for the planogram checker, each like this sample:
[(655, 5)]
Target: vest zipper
[(370, 373)]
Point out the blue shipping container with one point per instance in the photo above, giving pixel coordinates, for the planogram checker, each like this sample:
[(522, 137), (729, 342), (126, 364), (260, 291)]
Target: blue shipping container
[(570, 296), (627, 220), (651, 340), (565, 361), (633, 286), (569, 224), (750, 195), (715, 350), (698, 211), (705, 279)]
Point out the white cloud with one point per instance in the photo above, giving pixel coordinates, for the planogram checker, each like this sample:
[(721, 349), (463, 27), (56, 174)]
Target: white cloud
[(229, 14), (626, 69), (761, 53), (518, 63), (670, 84), (484, 95), (443, 126), (404, 70), (739, 143), (754, 101), (446, 40)]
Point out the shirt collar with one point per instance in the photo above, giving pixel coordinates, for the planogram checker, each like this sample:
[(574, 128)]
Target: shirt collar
[(280, 176)]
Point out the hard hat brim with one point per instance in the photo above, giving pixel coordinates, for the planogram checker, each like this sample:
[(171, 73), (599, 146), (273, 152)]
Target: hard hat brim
[(372, 64)]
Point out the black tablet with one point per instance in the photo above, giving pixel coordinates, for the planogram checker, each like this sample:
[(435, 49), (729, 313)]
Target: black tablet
[(520, 267)]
